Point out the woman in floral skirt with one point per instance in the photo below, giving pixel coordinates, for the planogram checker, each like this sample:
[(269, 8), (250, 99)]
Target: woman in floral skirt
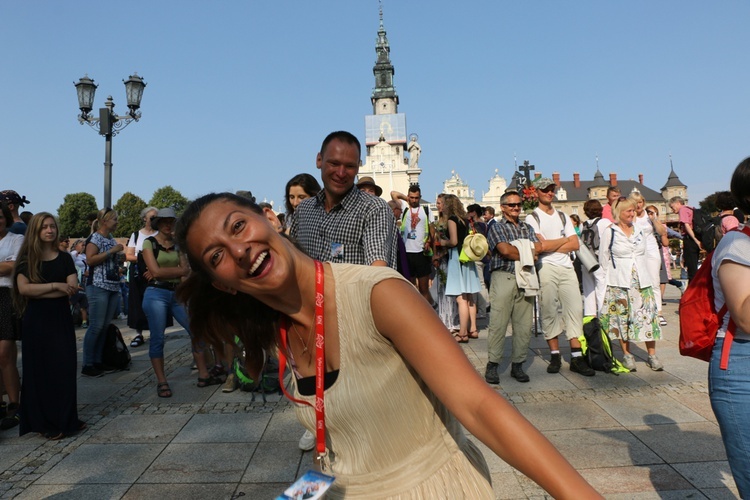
[(630, 312)]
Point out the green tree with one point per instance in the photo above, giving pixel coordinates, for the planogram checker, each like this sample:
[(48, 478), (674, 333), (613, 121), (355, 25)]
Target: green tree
[(168, 196), (128, 209), (74, 213), (709, 203)]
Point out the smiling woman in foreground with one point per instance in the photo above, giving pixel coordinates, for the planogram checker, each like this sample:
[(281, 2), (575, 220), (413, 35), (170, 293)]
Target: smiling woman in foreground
[(394, 396)]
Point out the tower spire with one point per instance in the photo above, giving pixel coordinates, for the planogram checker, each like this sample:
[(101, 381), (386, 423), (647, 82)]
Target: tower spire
[(383, 69)]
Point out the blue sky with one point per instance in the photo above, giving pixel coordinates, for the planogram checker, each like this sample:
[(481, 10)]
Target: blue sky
[(240, 94)]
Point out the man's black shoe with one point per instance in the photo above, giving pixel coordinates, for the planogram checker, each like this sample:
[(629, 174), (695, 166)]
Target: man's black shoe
[(12, 417), (490, 373), (90, 371), (554, 364), (516, 371), (105, 369), (579, 365)]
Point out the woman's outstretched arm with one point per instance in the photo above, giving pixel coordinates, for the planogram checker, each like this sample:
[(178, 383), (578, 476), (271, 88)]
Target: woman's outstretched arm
[(402, 315)]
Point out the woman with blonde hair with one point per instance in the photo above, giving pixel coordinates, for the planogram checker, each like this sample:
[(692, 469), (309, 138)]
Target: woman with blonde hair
[(462, 280), (44, 279), (102, 290), (630, 312), (654, 232)]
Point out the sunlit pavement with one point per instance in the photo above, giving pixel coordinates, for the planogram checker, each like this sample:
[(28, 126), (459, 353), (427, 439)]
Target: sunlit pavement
[(640, 435)]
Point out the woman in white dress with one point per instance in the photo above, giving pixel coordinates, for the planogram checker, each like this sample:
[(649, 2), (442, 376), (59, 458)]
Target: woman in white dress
[(652, 229)]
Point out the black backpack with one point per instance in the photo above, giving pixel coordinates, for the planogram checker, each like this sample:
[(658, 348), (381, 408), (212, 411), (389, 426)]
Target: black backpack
[(598, 348), (597, 353), (702, 223), (590, 235), (115, 353)]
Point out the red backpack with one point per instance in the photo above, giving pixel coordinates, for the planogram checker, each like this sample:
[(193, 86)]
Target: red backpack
[(699, 320)]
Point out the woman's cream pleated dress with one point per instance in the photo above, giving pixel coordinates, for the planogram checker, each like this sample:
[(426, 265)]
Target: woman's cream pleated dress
[(388, 435)]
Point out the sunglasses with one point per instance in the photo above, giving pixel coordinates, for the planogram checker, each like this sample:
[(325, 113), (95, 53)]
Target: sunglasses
[(650, 212), (550, 189), (512, 205)]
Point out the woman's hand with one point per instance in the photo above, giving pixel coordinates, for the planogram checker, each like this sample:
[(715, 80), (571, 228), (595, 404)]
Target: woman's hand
[(117, 248), (446, 370)]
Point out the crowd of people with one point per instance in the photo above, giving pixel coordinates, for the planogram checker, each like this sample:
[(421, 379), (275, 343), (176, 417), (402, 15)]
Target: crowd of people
[(329, 285)]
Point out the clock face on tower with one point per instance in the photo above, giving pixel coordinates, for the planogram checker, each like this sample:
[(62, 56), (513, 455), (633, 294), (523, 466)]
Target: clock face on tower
[(385, 106)]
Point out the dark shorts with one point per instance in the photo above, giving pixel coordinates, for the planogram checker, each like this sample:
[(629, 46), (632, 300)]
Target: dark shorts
[(420, 265), (80, 300), (9, 324)]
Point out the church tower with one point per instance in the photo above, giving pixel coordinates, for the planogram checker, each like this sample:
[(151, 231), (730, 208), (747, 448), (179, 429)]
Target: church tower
[(385, 129), (384, 97)]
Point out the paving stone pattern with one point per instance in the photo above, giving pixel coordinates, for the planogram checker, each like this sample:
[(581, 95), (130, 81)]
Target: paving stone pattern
[(642, 435)]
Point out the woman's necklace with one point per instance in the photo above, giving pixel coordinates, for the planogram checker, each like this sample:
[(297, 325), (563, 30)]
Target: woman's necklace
[(309, 336)]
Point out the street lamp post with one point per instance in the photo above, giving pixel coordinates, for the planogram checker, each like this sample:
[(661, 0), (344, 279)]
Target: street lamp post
[(108, 123)]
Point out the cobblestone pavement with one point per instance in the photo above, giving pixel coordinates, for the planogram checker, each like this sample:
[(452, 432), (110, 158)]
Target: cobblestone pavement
[(640, 435)]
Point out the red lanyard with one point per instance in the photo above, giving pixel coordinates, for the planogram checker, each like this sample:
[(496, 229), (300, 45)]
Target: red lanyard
[(320, 368), (414, 218)]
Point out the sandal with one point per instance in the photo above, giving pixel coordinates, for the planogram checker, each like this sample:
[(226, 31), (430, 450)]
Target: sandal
[(461, 339), (137, 341), (211, 380), (163, 390), (54, 437), (218, 371), (474, 335)]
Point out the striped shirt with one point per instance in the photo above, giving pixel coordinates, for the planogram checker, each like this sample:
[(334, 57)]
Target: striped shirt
[(505, 232), (359, 230)]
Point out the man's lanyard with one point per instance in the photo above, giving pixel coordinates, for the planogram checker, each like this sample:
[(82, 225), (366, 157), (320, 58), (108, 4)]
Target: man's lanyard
[(414, 218), (320, 422)]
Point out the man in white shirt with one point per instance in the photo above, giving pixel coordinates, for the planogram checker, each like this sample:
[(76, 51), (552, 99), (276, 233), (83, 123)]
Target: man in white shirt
[(557, 279), (418, 235)]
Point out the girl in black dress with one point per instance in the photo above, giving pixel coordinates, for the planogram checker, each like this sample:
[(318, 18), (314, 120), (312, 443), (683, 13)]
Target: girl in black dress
[(44, 278)]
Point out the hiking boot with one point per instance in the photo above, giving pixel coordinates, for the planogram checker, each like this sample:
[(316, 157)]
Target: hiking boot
[(554, 364), (655, 364), (516, 371), (628, 361), (490, 373), (91, 371), (230, 384), (580, 365)]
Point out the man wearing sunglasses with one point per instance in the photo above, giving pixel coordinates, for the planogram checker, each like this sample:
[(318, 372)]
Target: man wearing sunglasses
[(557, 279), (510, 302)]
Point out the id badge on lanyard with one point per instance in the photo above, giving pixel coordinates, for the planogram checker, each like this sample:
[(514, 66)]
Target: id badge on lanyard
[(320, 424)]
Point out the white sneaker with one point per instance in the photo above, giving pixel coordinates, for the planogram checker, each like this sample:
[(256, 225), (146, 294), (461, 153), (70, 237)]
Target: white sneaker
[(628, 361), (307, 441), (655, 364), (662, 321)]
